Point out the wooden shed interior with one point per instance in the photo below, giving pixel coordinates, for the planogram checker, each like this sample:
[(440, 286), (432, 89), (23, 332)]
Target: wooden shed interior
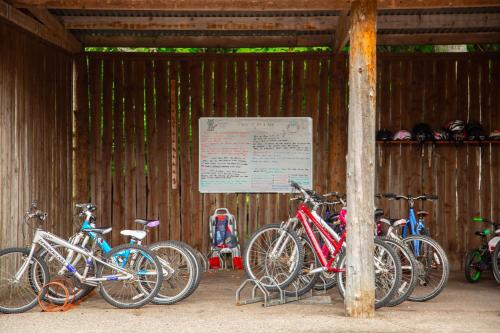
[(70, 119)]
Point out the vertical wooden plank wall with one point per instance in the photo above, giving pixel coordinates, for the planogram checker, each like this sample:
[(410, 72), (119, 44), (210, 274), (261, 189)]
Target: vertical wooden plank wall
[(411, 89), (434, 89), (35, 134)]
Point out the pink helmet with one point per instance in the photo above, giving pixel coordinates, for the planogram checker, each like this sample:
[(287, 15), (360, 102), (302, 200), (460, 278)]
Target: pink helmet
[(402, 135)]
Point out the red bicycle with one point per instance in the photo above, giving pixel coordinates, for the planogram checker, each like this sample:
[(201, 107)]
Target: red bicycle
[(298, 250)]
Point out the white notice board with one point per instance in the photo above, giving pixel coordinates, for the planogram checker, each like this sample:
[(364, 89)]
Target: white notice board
[(254, 154)]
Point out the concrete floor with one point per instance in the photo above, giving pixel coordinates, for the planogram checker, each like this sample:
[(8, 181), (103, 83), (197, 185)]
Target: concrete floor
[(462, 307)]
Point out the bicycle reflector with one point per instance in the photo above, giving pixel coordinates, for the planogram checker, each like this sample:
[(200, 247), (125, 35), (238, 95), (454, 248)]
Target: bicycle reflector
[(477, 219)]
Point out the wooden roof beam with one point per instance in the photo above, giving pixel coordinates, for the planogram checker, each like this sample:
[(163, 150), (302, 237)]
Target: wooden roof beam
[(51, 22), (314, 23), (26, 22), (342, 31), (284, 41), (199, 23), (245, 5)]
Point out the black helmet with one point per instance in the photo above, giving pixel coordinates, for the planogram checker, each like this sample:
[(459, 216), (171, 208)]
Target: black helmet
[(422, 132), (475, 131), (384, 135)]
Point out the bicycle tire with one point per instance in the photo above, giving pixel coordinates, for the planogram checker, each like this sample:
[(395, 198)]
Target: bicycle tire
[(43, 275), (305, 282), (195, 254), (295, 266), (495, 263), (192, 281), (422, 275), (472, 275), (383, 301), (152, 292), (76, 296), (408, 274)]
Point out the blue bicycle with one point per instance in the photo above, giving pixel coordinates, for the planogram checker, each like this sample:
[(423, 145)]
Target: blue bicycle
[(181, 272), (433, 266)]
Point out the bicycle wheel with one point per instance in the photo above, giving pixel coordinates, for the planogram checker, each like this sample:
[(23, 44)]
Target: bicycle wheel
[(408, 271), (472, 266), (80, 290), (22, 295), (495, 260), (387, 273), (261, 264), (180, 272), (433, 267), (305, 281), (146, 279)]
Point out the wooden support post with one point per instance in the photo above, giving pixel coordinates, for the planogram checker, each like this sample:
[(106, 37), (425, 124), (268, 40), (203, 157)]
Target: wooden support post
[(359, 298)]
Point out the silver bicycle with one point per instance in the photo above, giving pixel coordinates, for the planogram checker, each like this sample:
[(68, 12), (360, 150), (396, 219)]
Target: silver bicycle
[(128, 276)]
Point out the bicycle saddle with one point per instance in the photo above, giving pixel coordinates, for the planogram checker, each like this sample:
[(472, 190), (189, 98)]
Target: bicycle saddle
[(393, 222), (148, 223), (422, 213), (138, 234), (102, 230)]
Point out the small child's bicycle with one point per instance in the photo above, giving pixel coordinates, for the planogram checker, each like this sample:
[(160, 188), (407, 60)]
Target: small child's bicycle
[(479, 260)]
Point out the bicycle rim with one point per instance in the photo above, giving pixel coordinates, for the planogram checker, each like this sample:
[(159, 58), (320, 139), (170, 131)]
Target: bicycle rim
[(20, 296), (274, 272)]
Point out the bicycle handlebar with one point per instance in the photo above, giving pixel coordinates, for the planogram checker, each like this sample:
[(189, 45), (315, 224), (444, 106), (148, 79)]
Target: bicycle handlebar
[(393, 196), (33, 211), (317, 199)]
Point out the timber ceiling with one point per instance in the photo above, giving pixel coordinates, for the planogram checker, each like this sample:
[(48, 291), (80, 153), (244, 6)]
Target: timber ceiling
[(224, 23)]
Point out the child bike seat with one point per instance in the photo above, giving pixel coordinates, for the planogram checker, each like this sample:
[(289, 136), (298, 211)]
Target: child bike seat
[(148, 223), (138, 234)]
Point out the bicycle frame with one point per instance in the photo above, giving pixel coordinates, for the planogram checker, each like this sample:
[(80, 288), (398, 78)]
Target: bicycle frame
[(43, 238), (416, 226), (333, 241)]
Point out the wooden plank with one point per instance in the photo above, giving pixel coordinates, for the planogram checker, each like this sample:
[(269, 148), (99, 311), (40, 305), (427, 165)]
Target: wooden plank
[(220, 108), (231, 198), (152, 175), (240, 5), (252, 112), (95, 91), (342, 31), (438, 38), (495, 150), (107, 126), (175, 227), (359, 297), (306, 23), (185, 154), (241, 111), (81, 128), (196, 110), (140, 159), (118, 139), (264, 216), (311, 110), (207, 111), (162, 150), (130, 142), (26, 22), (298, 87)]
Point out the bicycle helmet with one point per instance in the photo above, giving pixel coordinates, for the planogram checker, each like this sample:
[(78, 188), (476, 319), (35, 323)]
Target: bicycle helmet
[(475, 131), (422, 132), (495, 135), (384, 135), (456, 129), (440, 135), (402, 135)]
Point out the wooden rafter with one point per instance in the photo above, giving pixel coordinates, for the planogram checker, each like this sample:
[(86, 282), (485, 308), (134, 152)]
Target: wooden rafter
[(306, 23), (18, 18), (226, 5), (51, 22), (208, 41), (342, 31), (200, 23), (284, 41)]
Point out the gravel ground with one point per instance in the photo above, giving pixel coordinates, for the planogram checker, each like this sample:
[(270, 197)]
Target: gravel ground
[(462, 307)]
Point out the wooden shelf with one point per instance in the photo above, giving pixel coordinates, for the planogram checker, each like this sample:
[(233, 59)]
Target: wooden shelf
[(455, 143)]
